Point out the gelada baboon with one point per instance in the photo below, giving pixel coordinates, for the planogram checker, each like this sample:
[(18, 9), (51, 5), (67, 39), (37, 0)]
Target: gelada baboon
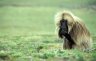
[(73, 31)]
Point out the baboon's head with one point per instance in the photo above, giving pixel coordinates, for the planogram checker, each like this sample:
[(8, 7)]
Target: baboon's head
[(65, 22)]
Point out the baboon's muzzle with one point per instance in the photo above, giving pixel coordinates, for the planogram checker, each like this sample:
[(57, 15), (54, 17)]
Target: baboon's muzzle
[(63, 28)]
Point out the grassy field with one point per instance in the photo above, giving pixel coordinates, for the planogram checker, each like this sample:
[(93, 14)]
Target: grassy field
[(27, 31)]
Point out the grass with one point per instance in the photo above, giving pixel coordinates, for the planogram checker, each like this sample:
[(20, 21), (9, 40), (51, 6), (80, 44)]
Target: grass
[(26, 19), (38, 48), (28, 33), (57, 3)]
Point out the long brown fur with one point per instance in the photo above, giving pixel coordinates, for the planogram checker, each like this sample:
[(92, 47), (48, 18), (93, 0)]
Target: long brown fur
[(77, 30)]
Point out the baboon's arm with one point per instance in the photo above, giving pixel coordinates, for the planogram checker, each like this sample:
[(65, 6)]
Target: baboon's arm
[(69, 38), (63, 31)]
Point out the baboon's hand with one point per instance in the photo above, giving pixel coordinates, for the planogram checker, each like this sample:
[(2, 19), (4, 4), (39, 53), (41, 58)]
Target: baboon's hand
[(69, 38), (62, 33)]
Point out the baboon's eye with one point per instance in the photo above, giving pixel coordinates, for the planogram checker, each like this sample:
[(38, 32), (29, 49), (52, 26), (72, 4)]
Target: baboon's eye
[(63, 21)]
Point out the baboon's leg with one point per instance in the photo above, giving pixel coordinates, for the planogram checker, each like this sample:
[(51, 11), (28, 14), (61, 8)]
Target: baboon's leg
[(66, 44), (85, 46), (70, 40)]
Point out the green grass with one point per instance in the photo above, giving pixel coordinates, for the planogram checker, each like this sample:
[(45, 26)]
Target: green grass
[(28, 32), (57, 3), (35, 20), (27, 19), (38, 48)]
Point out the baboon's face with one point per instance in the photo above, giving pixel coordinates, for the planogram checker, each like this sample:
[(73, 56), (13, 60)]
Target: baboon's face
[(63, 29), (70, 21)]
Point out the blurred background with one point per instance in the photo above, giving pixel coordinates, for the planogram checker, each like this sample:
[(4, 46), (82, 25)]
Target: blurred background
[(27, 28), (27, 17)]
